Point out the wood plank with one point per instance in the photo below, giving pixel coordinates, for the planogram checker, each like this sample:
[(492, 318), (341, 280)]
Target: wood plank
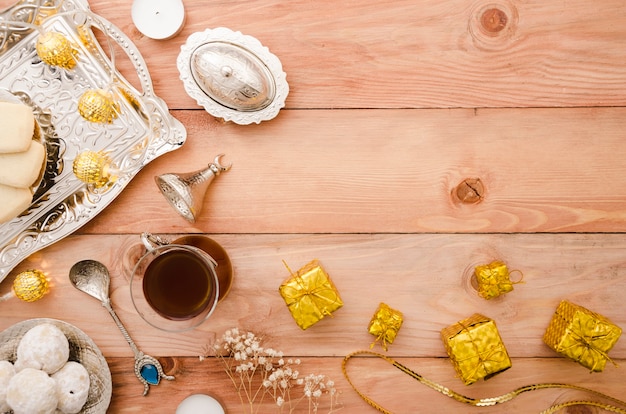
[(386, 385), (412, 54), (544, 170), (390, 108), (427, 277)]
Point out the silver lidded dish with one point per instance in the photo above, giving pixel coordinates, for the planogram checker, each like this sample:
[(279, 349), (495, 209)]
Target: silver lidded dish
[(233, 76)]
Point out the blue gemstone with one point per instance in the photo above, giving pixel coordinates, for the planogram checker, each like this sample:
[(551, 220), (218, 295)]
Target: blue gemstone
[(150, 374)]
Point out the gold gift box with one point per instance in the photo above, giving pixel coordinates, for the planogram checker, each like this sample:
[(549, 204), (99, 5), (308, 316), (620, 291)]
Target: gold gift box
[(385, 325), (582, 335), (475, 348), (310, 295), (493, 280)]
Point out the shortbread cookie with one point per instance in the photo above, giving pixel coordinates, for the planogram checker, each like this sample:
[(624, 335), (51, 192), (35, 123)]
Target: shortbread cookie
[(14, 201), (22, 169), (17, 124)]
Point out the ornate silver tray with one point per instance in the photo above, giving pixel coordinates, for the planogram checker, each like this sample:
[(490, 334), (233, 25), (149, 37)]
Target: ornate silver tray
[(142, 131)]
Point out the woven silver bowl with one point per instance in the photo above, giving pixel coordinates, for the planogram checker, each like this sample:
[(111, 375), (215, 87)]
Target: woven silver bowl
[(82, 349)]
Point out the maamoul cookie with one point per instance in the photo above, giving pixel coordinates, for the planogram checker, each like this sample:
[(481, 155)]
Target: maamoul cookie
[(7, 371), (43, 347), (32, 391), (72, 387)]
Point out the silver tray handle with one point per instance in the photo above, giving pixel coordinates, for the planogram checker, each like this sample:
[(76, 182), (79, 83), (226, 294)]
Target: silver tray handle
[(131, 51)]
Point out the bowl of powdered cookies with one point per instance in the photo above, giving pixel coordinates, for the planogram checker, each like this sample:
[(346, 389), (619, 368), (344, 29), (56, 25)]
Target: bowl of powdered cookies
[(50, 366)]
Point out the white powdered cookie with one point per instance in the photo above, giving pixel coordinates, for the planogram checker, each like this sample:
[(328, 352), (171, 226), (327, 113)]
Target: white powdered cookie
[(32, 391), (21, 169), (17, 124), (72, 387), (14, 201), (43, 347), (7, 371)]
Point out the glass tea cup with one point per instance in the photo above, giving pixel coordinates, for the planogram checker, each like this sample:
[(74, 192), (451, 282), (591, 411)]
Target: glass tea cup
[(174, 287)]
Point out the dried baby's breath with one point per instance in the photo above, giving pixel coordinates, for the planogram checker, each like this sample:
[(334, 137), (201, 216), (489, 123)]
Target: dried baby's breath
[(258, 372)]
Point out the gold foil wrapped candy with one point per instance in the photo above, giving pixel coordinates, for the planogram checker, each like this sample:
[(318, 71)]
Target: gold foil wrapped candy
[(93, 167), (475, 348), (310, 295), (29, 286), (493, 279), (582, 335), (99, 106), (55, 49), (385, 325)]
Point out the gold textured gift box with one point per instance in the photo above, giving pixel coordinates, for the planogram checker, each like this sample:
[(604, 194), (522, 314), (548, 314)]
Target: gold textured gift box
[(385, 325), (582, 335), (493, 280), (476, 348), (310, 295)]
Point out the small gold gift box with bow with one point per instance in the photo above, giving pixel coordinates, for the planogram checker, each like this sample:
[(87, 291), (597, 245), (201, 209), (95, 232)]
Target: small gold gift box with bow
[(493, 279), (385, 325), (310, 295), (582, 335), (475, 348)]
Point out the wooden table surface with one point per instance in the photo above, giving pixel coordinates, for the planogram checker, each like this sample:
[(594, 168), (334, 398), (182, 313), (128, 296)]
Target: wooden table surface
[(391, 106)]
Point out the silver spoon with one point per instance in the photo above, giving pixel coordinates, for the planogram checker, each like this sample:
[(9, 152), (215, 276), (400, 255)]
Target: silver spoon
[(92, 277)]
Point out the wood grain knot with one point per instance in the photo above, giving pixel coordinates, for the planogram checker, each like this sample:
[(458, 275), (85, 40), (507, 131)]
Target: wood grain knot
[(469, 191), (493, 20), (493, 24), (169, 364)]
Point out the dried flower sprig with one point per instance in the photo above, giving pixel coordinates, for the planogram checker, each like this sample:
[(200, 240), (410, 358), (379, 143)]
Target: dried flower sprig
[(257, 372)]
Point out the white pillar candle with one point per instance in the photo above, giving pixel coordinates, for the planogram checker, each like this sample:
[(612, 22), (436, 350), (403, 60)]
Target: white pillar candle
[(199, 404), (158, 19)]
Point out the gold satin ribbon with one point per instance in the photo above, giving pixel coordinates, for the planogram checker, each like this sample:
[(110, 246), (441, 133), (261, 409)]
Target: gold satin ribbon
[(617, 406)]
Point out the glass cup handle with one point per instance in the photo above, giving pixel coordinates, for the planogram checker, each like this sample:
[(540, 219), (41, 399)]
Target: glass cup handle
[(151, 242)]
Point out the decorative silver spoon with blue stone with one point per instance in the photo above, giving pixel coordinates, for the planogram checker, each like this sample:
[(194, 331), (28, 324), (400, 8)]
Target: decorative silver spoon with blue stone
[(92, 277)]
